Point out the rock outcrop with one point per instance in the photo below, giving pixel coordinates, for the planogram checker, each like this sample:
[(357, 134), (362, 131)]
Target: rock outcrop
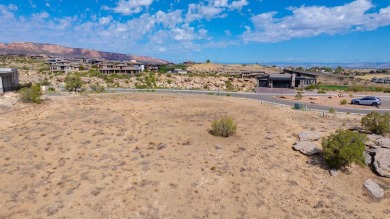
[(382, 162), (374, 188), (309, 136), (306, 147)]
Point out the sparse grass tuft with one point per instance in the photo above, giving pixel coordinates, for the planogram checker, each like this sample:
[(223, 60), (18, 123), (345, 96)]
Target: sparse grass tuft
[(223, 127)]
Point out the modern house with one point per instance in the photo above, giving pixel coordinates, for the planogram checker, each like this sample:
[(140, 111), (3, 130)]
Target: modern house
[(64, 65), (288, 79), (132, 68), (251, 74), (9, 79)]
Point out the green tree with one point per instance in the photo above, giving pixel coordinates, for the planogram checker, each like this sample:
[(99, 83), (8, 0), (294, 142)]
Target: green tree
[(30, 94), (45, 82), (377, 123), (343, 148), (72, 83), (208, 61), (339, 70)]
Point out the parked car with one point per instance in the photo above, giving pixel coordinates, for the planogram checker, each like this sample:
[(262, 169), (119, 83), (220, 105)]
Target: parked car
[(370, 101)]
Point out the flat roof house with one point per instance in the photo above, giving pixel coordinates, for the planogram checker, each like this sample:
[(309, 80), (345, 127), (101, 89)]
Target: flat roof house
[(287, 79), (9, 79)]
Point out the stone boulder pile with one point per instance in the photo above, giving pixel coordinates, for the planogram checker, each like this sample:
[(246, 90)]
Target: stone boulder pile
[(306, 144), (377, 153)]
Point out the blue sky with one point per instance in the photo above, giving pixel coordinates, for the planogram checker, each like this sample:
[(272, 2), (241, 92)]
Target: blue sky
[(235, 31)]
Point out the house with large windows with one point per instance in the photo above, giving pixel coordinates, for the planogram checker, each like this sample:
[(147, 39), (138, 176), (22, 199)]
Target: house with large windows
[(287, 79), (9, 79)]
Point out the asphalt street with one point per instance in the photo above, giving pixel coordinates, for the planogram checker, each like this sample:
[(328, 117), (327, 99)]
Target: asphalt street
[(385, 107)]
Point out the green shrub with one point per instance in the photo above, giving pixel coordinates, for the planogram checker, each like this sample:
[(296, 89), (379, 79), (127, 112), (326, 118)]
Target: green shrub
[(45, 82), (298, 96), (344, 148), (97, 88), (343, 101), (312, 87), (322, 92), (72, 83), (332, 110), (30, 94), (223, 127), (377, 123), (356, 88)]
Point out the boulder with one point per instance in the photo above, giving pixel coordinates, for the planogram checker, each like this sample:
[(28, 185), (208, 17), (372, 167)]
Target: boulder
[(383, 142), (367, 158), (373, 137), (374, 188), (306, 147), (334, 172), (372, 144), (382, 162), (309, 136)]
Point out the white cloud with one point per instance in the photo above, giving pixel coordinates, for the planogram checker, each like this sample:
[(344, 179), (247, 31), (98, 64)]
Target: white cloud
[(170, 19), (316, 20), (6, 11), (128, 7), (105, 20), (42, 15), (214, 9), (237, 5), (184, 33)]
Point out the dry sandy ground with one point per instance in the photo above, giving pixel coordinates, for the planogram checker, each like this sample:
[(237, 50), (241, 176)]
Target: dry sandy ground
[(147, 155)]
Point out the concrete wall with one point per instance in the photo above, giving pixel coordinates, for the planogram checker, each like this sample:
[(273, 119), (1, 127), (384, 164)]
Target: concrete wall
[(9, 79)]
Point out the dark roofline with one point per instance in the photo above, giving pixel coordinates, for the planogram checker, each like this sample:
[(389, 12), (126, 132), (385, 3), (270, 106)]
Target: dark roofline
[(316, 74)]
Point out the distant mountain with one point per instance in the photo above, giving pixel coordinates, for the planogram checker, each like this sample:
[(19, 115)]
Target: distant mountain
[(29, 48)]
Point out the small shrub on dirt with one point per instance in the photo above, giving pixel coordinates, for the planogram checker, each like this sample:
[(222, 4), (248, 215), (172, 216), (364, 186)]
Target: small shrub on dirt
[(72, 83), (377, 123), (332, 110), (31, 94), (298, 96), (343, 101), (322, 92), (344, 148), (223, 127), (97, 88)]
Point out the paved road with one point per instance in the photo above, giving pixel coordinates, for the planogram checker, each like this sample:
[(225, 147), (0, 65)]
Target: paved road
[(385, 107)]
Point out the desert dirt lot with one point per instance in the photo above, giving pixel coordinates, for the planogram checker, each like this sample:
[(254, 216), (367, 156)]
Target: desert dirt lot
[(147, 155)]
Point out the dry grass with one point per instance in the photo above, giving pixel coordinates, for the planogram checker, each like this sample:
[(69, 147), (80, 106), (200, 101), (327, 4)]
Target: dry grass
[(150, 155)]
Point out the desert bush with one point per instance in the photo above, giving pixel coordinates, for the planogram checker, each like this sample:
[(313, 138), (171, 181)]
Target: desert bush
[(332, 110), (30, 94), (97, 88), (356, 88), (322, 92), (377, 123), (343, 101), (344, 148), (45, 82), (312, 87), (72, 83), (223, 127), (298, 96)]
